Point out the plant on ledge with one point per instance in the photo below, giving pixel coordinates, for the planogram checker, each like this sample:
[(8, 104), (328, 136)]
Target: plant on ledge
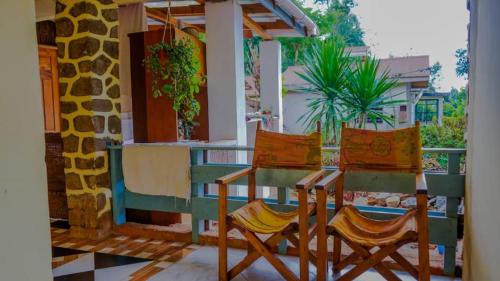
[(175, 68)]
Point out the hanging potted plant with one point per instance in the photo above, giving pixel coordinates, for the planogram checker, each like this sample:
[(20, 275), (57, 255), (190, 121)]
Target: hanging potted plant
[(175, 69)]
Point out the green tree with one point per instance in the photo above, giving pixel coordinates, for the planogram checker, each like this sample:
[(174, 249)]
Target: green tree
[(435, 76), (336, 20), (326, 69), (455, 103), (365, 94), (450, 134), (462, 66)]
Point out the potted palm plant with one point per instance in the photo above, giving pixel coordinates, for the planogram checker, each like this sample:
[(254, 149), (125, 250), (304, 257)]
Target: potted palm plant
[(326, 68), (367, 92)]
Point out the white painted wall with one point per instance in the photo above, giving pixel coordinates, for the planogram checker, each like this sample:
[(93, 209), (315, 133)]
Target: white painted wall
[(24, 213), (225, 71), (482, 219), (270, 81), (45, 9), (295, 105)]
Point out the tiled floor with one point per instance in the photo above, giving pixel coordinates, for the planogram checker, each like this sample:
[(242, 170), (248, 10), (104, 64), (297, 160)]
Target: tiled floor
[(114, 258), (120, 258)]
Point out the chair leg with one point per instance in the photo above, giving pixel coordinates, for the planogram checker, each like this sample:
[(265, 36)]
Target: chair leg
[(352, 258), (337, 251), (223, 276), (273, 260), (254, 255), (371, 260), (322, 248), (406, 265), (424, 272), (303, 235), (251, 197), (295, 242)]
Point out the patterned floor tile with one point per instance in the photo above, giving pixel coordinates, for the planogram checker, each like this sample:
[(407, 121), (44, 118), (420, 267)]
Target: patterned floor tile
[(61, 224), (105, 260), (81, 276), (60, 252)]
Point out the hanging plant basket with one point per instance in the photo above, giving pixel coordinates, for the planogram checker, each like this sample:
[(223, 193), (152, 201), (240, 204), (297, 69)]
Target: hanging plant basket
[(175, 69)]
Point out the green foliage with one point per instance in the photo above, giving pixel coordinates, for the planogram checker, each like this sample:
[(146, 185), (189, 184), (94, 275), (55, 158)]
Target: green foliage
[(455, 104), (346, 89), (365, 93), (435, 76), (462, 67), (336, 20), (251, 52), (326, 69), (449, 135), (175, 71)]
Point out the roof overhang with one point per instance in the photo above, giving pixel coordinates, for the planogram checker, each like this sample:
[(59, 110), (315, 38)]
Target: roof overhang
[(265, 18)]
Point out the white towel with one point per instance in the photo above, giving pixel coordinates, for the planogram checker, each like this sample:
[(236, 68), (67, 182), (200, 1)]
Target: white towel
[(157, 169)]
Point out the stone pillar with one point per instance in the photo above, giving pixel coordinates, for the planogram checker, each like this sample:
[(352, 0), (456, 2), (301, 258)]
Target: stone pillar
[(270, 81), (225, 71), (87, 41)]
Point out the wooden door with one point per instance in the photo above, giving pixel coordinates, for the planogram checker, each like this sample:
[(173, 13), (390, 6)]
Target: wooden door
[(50, 88), (54, 160)]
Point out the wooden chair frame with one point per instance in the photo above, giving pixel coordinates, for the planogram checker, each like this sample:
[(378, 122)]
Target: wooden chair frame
[(362, 257), (258, 248)]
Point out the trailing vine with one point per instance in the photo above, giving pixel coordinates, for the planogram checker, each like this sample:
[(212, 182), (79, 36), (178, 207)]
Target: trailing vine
[(175, 70)]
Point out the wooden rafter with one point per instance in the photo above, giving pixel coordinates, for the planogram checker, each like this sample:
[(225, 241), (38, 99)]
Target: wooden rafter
[(161, 16), (199, 10), (250, 23)]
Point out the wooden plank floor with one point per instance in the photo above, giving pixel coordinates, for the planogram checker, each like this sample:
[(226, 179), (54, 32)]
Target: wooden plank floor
[(161, 252)]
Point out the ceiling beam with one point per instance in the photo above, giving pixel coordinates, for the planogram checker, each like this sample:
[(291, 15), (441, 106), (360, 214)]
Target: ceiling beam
[(250, 23), (289, 20), (161, 16), (197, 10)]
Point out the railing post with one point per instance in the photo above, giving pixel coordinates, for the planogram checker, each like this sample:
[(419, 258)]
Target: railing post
[(452, 212), (117, 185), (197, 225), (283, 198)]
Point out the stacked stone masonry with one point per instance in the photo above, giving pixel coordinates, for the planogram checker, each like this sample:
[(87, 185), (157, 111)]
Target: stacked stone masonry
[(87, 41)]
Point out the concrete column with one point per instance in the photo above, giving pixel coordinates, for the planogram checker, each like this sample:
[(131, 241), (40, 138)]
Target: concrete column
[(482, 222), (87, 41), (270, 81), (24, 212), (225, 71)]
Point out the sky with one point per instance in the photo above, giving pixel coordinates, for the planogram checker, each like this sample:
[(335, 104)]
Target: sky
[(416, 27)]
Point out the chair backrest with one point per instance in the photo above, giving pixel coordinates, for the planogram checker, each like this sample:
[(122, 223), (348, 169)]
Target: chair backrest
[(283, 151), (395, 150)]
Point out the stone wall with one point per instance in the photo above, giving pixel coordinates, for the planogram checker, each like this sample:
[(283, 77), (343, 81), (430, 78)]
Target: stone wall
[(87, 41)]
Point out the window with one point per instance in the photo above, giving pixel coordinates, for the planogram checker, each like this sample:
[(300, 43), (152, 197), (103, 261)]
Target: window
[(426, 110), (403, 114)]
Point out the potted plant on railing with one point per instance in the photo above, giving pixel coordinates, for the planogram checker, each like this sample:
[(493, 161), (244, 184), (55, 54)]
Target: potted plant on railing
[(175, 69)]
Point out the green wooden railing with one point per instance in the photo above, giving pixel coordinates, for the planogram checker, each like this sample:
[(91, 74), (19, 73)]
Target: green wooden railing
[(443, 226)]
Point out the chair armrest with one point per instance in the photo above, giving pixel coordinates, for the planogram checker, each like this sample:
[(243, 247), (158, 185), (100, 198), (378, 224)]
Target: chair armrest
[(329, 180), (421, 184), (233, 176), (309, 180)]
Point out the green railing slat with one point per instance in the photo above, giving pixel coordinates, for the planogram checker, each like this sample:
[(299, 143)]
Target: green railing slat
[(439, 184)]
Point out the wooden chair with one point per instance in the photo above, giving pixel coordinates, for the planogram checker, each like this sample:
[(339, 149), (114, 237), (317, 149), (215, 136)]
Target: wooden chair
[(375, 161), (272, 151)]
